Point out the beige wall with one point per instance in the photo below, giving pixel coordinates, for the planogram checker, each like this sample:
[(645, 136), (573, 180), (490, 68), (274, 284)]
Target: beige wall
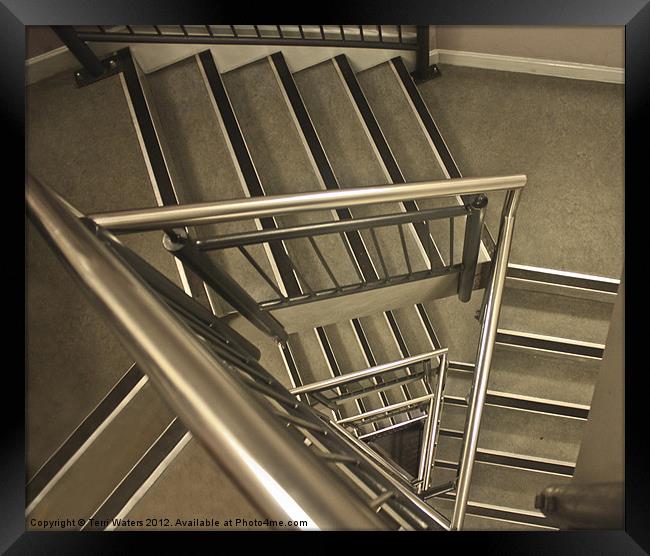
[(603, 46)]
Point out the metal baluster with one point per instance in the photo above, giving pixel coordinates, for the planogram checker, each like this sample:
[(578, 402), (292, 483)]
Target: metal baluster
[(353, 259), (302, 31), (322, 32), (381, 37), (406, 254), (234, 31), (184, 30), (399, 34), (157, 28), (300, 276), (280, 31), (342, 32), (209, 30), (381, 257), (361, 32), (321, 258), (260, 270), (257, 31)]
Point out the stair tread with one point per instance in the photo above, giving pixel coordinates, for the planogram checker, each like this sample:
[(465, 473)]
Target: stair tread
[(555, 315), (202, 165)]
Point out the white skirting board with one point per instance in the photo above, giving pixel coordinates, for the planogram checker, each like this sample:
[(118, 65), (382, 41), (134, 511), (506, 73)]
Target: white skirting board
[(520, 64)]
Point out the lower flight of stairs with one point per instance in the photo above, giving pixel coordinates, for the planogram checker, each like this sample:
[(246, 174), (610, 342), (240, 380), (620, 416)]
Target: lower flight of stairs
[(259, 130)]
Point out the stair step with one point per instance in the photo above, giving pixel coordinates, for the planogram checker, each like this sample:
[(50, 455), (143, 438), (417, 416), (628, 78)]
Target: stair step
[(555, 315), (504, 486), (564, 379), (489, 517), (203, 165), (92, 475), (521, 432)]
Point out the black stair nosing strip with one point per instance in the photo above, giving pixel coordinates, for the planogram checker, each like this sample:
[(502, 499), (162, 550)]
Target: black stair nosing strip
[(382, 146), (322, 162), (436, 137), (83, 432), (137, 476), (568, 348), (363, 340), (329, 352), (510, 514), (428, 326), (558, 279), (304, 120), (507, 402), (147, 128), (246, 165), (521, 462)]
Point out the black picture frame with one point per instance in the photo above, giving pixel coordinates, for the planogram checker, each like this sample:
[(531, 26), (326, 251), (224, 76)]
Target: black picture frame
[(634, 14)]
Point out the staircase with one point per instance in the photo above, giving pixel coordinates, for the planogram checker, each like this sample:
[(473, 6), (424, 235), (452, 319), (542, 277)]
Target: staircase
[(363, 297)]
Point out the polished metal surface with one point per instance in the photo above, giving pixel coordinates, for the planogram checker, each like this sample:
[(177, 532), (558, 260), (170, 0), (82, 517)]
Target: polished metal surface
[(494, 294), (159, 218), (366, 373), (271, 466), (432, 427)]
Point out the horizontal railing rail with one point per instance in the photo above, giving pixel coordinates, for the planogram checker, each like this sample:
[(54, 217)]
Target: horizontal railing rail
[(161, 218), (401, 37)]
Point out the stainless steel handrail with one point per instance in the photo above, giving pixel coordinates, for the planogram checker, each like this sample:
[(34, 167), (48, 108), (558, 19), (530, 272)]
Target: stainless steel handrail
[(489, 325), (159, 218), (285, 481)]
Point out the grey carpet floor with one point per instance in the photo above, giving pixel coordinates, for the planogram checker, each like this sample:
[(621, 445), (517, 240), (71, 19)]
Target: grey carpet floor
[(566, 135)]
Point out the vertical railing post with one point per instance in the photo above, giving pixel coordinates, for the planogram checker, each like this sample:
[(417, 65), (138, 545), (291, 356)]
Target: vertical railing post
[(484, 356), (181, 246), (424, 70), (80, 50), (432, 426), (471, 246)]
